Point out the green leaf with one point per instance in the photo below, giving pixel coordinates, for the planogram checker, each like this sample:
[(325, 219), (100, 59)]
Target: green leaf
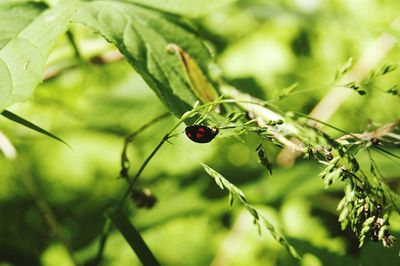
[(133, 237), (341, 70), (231, 199), (188, 8), (27, 35), (199, 82), (387, 68), (285, 92), (11, 24), (217, 176), (143, 35), (26, 123), (262, 155)]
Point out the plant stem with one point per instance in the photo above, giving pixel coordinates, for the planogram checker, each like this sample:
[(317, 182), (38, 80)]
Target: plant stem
[(131, 182), (74, 45), (102, 242), (125, 164), (43, 207), (139, 172)]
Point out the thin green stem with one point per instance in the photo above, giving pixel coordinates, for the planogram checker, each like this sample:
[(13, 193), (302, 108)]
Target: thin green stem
[(144, 164), (43, 207), (103, 240), (125, 163), (131, 182), (74, 45), (139, 172)]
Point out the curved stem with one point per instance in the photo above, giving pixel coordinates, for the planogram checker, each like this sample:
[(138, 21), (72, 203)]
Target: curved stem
[(131, 182), (139, 172)]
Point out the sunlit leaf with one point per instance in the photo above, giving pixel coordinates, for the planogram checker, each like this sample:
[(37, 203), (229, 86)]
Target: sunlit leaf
[(143, 36), (200, 84), (188, 8), (25, 43)]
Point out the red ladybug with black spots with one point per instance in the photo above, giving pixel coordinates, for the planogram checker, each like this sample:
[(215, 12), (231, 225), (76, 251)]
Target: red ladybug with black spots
[(201, 133)]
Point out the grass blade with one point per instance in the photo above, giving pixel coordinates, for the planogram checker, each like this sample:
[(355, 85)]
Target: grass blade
[(133, 237), (15, 118)]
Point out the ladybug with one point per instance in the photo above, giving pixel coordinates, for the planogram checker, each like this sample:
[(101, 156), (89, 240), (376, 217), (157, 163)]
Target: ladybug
[(201, 133)]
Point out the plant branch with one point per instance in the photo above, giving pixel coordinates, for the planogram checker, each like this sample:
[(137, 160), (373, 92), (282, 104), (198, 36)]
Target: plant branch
[(124, 173)]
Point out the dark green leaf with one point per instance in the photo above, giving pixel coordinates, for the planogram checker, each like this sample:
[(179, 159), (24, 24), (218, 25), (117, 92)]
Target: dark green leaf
[(143, 36), (262, 155), (231, 199), (133, 237), (393, 91), (26, 123), (387, 69)]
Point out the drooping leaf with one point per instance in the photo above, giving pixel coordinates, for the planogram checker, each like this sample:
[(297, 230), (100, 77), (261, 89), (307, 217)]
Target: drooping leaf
[(188, 8), (13, 117), (201, 86), (133, 237), (258, 218), (27, 34), (143, 35), (214, 174)]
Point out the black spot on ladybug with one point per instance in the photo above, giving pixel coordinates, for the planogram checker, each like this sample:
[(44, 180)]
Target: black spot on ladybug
[(200, 133)]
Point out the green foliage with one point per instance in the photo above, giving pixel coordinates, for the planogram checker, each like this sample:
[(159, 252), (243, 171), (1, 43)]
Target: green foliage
[(133, 237), (20, 120), (26, 43), (97, 103), (262, 155), (258, 218), (143, 35), (190, 9)]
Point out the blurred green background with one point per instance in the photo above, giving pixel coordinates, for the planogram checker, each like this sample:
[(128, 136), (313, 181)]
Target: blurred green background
[(261, 46)]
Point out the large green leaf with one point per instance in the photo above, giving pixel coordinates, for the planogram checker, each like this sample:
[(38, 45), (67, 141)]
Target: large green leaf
[(188, 8), (143, 36), (15, 16), (27, 34)]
